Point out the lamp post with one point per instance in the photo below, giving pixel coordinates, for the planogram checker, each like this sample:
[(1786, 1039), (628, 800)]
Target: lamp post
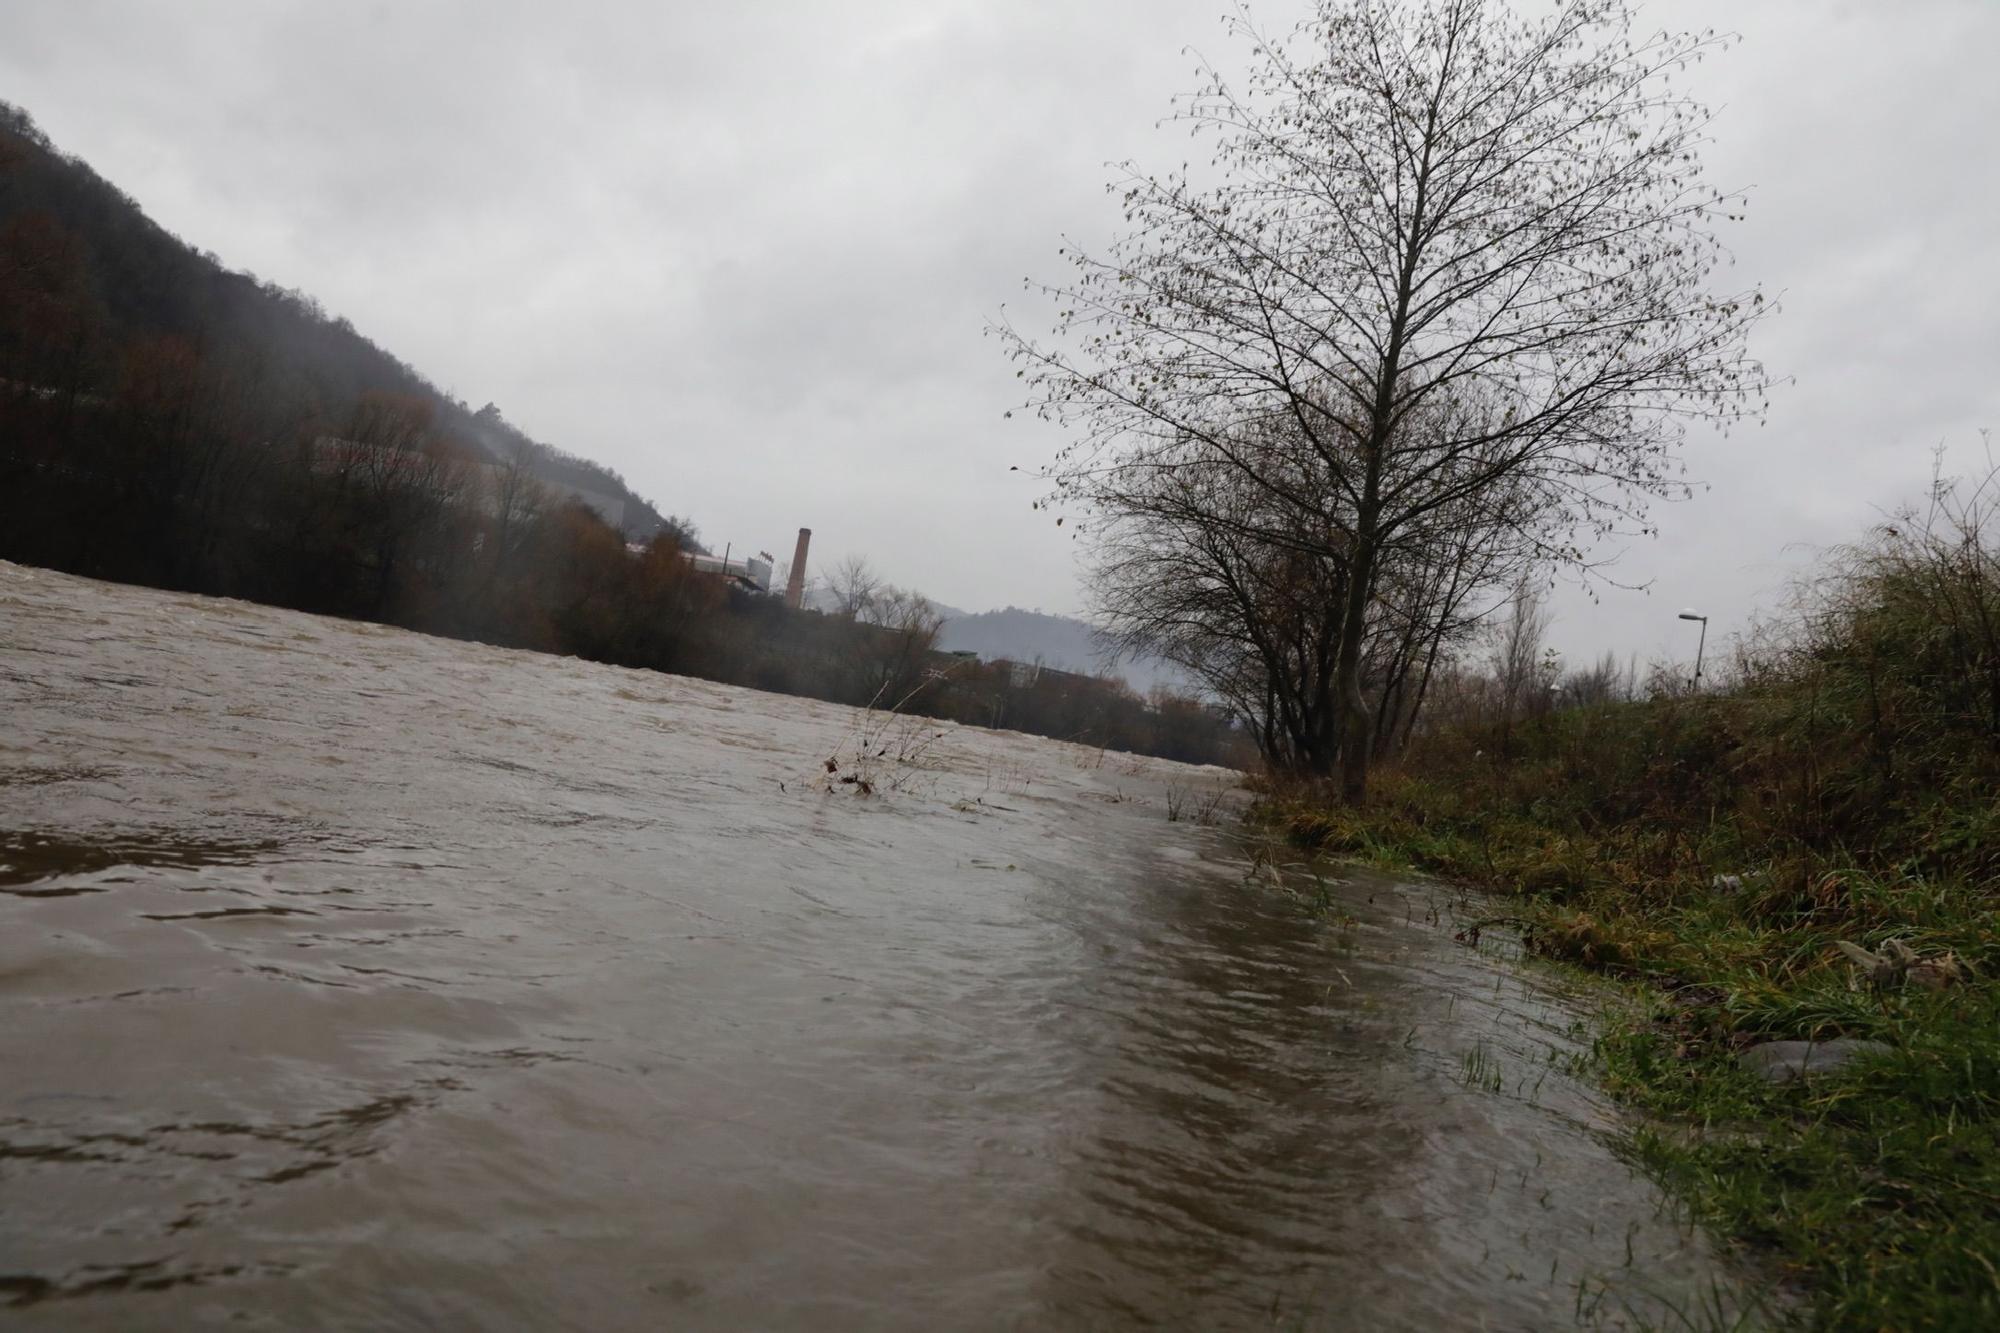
[(1699, 646)]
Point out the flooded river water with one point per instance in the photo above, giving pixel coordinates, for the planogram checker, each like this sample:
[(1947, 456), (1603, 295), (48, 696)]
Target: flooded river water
[(355, 979)]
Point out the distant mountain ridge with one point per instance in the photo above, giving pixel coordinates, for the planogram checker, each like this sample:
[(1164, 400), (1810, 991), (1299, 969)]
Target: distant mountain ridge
[(1063, 642), (1016, 635)]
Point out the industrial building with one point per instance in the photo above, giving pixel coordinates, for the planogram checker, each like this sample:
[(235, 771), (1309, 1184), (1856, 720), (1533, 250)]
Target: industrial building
[(751, 573)]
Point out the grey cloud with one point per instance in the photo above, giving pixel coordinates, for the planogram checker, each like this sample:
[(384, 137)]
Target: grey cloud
[(744, 252)]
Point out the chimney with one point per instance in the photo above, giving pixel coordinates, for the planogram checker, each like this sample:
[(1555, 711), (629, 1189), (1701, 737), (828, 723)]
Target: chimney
[(795, 587)]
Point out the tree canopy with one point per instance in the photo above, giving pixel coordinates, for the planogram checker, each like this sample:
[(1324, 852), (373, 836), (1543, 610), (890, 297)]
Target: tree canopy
[(1456, 261)]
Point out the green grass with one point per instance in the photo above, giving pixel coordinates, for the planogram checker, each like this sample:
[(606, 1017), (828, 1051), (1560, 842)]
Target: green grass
[(1716, 852), (1877, 1186), (1880, 1183)]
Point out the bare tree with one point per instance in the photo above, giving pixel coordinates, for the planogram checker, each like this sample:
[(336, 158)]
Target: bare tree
[(399, 475), (1607, 681), (1419, 210), (908, 625), (854, 585), (1190, 568), (516, 501), (684, 534), (1522, 667), (1435, 588), (1195, 565)]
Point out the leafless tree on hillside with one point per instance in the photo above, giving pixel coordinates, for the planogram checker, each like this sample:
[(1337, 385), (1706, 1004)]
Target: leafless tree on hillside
[(854, 585)]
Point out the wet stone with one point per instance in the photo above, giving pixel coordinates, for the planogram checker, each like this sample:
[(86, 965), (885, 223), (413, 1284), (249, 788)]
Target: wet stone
[(1783, 1061)]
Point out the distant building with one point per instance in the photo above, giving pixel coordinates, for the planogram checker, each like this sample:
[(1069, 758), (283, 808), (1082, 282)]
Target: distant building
[(750, 574)]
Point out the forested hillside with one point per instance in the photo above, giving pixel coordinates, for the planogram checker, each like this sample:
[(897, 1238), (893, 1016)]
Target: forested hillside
[(166, 421), (93, 292)]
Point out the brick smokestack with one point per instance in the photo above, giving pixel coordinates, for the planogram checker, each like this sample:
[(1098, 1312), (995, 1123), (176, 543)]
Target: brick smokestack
[(795, 587)]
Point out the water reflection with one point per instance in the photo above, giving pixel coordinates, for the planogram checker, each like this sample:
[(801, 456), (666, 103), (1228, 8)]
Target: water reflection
[(1316, 1118), (1216, 1176)]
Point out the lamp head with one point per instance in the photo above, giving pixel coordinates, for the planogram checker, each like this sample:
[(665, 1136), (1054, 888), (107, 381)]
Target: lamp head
[(1692, 615)]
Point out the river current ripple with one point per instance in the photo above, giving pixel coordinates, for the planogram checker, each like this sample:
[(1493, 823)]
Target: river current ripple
[(356, 979)]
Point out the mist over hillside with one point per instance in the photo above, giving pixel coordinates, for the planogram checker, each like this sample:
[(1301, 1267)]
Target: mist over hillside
[(123, 278), (135, 280), (1016, 635), (166, 421), (1062, 642), (125, 282)]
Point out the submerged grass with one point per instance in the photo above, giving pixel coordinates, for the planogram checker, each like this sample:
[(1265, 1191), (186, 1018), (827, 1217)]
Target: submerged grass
[(1676, 865)]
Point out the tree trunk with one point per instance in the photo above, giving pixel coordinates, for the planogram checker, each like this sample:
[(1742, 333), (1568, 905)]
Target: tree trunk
[(1354, 720), (1423, 688), (1353, 709), (1354, 728)]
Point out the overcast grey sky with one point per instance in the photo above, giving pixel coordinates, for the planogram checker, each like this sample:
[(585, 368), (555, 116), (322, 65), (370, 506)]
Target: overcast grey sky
[(744, 253)]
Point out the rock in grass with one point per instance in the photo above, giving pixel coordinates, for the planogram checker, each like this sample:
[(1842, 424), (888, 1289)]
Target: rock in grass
[(1783, 1061)]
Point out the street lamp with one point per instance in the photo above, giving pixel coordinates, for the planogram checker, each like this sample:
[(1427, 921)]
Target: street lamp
[(1699, 646)]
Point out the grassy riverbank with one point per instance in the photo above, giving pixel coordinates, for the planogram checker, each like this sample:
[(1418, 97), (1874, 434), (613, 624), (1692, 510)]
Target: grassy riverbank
[(1717, 852)]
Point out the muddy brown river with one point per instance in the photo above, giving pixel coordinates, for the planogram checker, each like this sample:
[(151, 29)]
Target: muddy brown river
[(351, 979)]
